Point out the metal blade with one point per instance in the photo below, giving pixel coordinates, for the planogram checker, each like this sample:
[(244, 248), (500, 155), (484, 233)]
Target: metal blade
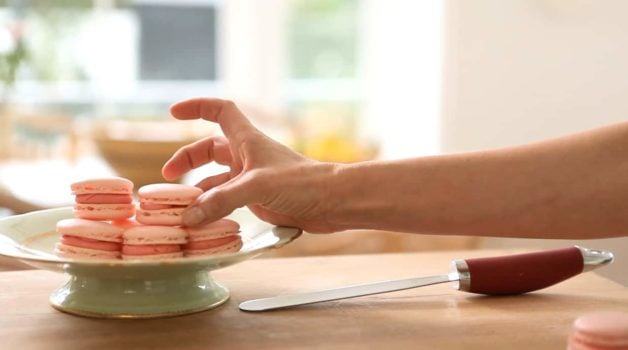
[(359, 290)]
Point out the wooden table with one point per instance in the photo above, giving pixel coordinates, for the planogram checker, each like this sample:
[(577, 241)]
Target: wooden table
[(434, 317)]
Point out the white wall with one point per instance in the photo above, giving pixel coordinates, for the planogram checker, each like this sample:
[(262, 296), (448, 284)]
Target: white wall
[(401, 53), (251, 49), (523, 70)]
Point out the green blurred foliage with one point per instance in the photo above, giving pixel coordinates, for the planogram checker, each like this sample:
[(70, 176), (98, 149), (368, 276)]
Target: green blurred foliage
[(9, 63), (322, 39)]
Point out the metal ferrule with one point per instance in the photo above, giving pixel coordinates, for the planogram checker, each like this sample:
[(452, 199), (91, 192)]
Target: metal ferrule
[(461, 270), (593, 258)]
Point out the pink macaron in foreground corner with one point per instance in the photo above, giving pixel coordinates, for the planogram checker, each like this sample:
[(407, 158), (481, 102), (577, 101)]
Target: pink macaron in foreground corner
[(218, 237), (600, 331), (153, 242), (86, 239), (103, 199), (163, 204)]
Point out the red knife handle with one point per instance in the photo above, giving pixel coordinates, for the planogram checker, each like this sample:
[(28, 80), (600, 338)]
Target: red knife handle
[(520, 273)]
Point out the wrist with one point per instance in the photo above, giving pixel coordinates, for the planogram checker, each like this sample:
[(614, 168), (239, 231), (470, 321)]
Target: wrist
[(350, 197), (324, 176)]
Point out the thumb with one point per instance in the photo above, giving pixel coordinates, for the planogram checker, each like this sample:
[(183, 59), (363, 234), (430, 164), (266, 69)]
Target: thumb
[(219, 202)]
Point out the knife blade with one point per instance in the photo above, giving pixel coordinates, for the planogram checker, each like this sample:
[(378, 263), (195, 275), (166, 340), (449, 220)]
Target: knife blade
[(352, 291), (514, 274)]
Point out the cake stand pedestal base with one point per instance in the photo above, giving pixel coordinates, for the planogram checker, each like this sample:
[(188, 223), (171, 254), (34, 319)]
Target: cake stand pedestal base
[(138, 292)]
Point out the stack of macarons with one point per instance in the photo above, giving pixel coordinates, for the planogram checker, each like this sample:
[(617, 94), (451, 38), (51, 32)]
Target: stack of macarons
[(82, 238), (103, 199), (150, 242), (107, 225), (90, 234), (160, 236), (163, 204)]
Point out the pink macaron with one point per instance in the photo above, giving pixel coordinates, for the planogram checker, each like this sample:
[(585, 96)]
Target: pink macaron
[(88, 239), (149, 242), (163, 204), (218, 237), (600, 331), (103, 199)]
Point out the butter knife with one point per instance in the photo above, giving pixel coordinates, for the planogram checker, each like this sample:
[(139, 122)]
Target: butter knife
[(503, 275)]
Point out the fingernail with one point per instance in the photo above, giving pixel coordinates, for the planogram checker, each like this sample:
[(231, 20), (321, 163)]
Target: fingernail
[(193, 216)]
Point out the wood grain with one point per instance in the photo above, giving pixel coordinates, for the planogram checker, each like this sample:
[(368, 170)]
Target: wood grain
[(435, 317)]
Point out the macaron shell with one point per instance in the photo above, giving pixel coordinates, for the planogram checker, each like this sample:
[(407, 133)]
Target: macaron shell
[(167, 217), (103, 185), (153, 257), (151, 234), (97, 230), (71, 252), (210, 236), (104, 211), (216, 229), (231, 247), (168, 194)]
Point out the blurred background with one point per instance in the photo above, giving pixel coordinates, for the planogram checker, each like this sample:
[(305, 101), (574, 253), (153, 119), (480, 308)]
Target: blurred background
[(86, 85)]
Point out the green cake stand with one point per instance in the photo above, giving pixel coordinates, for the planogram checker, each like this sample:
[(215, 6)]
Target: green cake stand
[(133, 289)]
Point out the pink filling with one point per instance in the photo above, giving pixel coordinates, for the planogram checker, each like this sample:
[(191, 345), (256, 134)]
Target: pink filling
[(154, 206), (150, 249), (90, 243), (103, 198), (210, 243)]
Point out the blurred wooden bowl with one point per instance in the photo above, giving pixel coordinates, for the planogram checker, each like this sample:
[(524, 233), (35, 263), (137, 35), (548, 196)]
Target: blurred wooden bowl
[(138, 150), (138, 161)]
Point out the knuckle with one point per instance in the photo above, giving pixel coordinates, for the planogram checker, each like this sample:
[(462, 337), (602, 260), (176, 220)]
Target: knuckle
[(229, 104)]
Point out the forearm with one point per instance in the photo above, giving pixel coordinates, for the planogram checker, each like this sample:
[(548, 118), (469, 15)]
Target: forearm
[(571, 187)]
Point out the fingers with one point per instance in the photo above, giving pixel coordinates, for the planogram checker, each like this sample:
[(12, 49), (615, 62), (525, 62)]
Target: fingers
[(197, 154), (214, 181), (219, 202), (223, 112)]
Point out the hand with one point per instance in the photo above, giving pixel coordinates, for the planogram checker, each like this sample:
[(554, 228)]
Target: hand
[(278, 185)]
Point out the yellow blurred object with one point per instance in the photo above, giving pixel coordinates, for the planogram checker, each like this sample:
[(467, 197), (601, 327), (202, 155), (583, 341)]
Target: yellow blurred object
[(335, 148)]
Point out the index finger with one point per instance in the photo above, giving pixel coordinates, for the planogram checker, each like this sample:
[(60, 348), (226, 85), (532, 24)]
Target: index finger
[(223, 112), (197, 154)]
